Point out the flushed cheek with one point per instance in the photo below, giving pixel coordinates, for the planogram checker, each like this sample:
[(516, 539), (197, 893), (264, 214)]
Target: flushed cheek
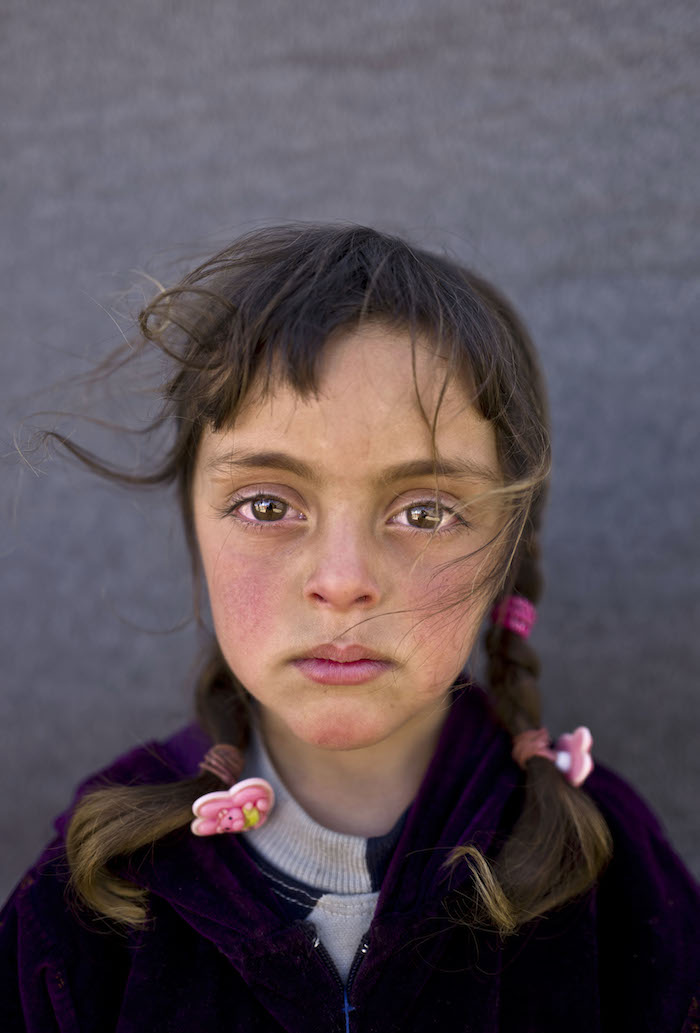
[(447, 622), (245, 601)]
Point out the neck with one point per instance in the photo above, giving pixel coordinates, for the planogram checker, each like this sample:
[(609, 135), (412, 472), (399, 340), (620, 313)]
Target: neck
[(360, 792)]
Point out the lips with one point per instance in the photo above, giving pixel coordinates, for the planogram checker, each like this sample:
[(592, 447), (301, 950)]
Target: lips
[(342, 665), (343, 654)]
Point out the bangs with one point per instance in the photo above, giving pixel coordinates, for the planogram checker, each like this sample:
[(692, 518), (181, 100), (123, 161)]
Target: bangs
[(263, 311)]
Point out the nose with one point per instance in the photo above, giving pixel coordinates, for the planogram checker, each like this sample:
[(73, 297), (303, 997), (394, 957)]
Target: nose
[(343, 573)]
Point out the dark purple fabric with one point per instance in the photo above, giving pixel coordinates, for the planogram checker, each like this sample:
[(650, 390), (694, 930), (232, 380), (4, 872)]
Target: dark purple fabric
[(220, 955)]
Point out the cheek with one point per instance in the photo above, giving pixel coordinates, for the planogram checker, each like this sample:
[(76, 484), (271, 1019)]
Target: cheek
[(448, 618), (245, 598)]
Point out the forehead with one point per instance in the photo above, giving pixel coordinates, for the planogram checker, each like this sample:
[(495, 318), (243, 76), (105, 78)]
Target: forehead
[(377, 395)]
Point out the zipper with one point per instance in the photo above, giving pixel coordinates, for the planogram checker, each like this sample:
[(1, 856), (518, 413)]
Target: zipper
[(357, 960), (323, 953), (330, 964)]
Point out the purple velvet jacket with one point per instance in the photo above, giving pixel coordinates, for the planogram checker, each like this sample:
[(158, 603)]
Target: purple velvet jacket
[(219, 955)]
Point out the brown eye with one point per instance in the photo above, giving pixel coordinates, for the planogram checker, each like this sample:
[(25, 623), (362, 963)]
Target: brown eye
[(426, 516), (268, 509)]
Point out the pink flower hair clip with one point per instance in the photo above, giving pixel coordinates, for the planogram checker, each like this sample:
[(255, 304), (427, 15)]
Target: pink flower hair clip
[(571, 753), (246, 805)]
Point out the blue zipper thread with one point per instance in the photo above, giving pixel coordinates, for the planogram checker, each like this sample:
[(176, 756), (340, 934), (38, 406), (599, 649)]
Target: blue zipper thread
[(347, 1008), (359, 954)]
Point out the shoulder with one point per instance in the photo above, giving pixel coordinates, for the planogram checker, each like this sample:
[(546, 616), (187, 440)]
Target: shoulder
[(152, 762), (51, 958), (155, 761), (42, 888), (647, 913), (42, 937), (642, 852)]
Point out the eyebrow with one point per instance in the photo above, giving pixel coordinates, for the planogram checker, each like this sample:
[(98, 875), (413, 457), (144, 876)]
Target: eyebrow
[(457, 467)]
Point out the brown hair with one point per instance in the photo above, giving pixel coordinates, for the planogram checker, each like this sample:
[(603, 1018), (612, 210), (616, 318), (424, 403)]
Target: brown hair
[(264, 308)]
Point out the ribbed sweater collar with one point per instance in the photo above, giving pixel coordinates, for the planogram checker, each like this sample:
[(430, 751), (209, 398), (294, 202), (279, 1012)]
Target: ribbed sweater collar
[(295, 843)]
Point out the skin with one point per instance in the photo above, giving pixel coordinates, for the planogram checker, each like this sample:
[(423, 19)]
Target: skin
[(346, 563)]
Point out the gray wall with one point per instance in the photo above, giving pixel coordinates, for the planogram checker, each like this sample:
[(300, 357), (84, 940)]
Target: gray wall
[(552, 144)]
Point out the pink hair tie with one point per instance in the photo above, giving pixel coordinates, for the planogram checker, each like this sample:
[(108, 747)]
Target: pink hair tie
[(571, 753), (516, 613), (246, 805), (224, 761)]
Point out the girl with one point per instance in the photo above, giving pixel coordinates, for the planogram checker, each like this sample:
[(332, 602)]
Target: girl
[(353, 835)]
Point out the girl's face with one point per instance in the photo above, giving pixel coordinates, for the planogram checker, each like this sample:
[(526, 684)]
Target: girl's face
[(325, 556)]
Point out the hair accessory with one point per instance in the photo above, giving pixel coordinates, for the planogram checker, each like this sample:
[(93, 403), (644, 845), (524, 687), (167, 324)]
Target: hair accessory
[(244, 806), (571, 752), (224, 761), (516, 613)]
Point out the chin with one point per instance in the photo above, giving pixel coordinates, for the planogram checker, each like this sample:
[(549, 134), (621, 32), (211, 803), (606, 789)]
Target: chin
[(340, 731), (341, 739)]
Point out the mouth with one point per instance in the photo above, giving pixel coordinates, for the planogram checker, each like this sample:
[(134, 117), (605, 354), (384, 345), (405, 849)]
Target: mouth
[(343, 654), (342, 665)]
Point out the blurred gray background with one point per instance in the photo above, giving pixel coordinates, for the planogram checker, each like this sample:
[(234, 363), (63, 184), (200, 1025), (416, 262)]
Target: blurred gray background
[(552, 144)]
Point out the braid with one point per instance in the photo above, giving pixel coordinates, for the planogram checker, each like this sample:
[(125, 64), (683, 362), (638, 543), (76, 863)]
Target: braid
[(560, 842), (119, 820), (513, 664)]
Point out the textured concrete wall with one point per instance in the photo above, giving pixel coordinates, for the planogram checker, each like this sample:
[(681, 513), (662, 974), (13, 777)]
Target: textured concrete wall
[(554, 145)]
